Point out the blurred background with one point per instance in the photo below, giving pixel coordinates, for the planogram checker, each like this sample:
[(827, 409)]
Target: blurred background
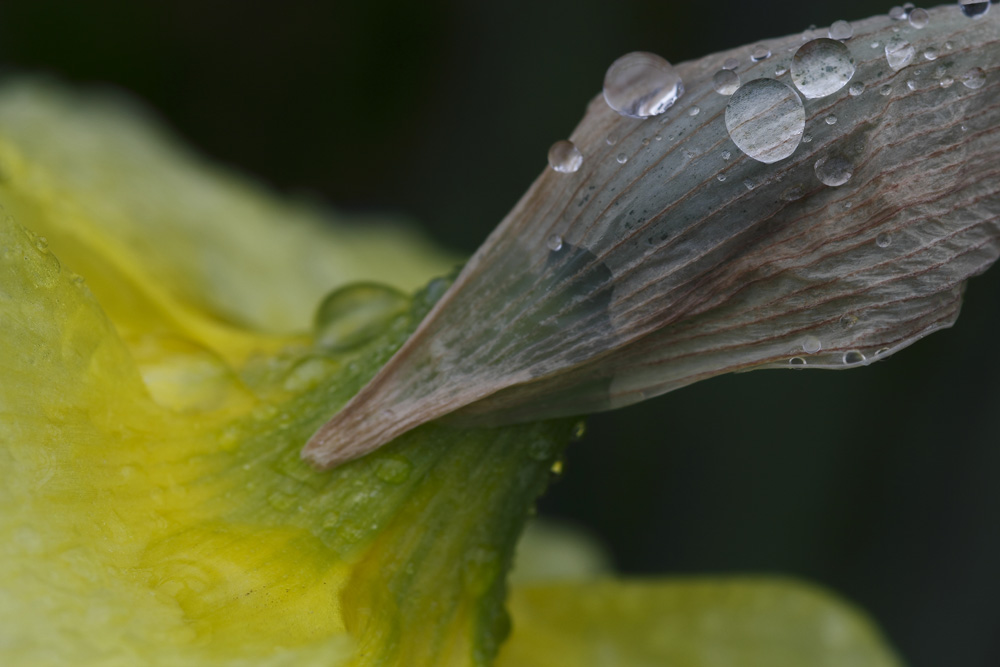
[(880, 483)]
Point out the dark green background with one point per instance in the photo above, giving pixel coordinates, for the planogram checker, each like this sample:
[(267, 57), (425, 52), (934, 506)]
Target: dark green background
[(879, 482)]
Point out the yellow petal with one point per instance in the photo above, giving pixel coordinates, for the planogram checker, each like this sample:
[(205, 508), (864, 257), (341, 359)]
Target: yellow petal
[(688, 623)]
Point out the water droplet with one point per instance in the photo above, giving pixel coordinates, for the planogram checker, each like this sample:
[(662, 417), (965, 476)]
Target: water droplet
[(612, 139), (875, 45), (947, 82), (883, 240), (622, 158), (881, 351), (853, 357), (899, 53), (658, 137), (885, 90), (731, 63), (760, 52), (765, 119), (780, 70), (811, 345), (919, 18), (949, 46), (822, 67), (974, 78), (641, 84), (797, 361), (726, 81), (354, 314), (694, 111), (726, 155), (393, 470), (911, 84), (856, 89), (565, 157), (830, 120), (748, 184), (807, 138), (973, 9), (554, 243), (841, 30), (930, 54), (721, 177), (897, 13), (833, 170), (848, 321), (308, 373)]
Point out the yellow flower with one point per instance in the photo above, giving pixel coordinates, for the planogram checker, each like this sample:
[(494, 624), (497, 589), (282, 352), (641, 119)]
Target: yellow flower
[(159, 377)]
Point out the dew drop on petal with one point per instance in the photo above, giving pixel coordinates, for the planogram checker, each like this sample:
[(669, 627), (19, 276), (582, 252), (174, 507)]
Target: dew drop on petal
[(830, 120), (731, 63), (897, 13), (930, 54), (974, 78), (899, 53), (726, 81), (947, 82), (565, 157), (811, 345), (760, 52), (833, 170), (883, 240), (694, 111), (797, 361), (822, 67), (853, 357), (974, 9), (919, 18), (841, 30), (885, 90), (766, 119), (554, 243), (856, 89), (622, 158), (641, 84), (780, 71), (721, 178)]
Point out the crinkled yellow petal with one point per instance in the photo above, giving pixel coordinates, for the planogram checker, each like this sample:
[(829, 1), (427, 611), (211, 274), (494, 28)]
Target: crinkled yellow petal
[(688, 623), (169, 243)]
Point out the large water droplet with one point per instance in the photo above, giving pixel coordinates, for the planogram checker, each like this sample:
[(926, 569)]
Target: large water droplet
[(899, 53), (726, 81), (833, 170), (354, 314), (853, 357), (822, 67), (841, 30), (974, 78), (565, 157), (919, 18), (765, 119), (974, 9), (641, 84)]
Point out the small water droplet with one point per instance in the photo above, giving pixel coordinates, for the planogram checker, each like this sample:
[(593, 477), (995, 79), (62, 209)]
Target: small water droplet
[(645, 142), (930, 54), (974, 78), (949, 46), (807, 138), (658, 137), (830, 120), (883, 240), (811, 345), (833, 170), (947, 82), (875, 45), (919, 18), (841, 30), (748, 184), (641, 84), (760, 52), (565, 157), (885, 90), (721, 177), (780, 70), (731, 63), (899, 53), (856, 89), (897, 13), (554, 243), (822, 67), (881, 351), (726, 155), (355, 314), (765, 119), (797, 361), (911, 84), (974, 10), (726, 82), (853, 357), (622, 158), (694, 111), (612, 139)]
